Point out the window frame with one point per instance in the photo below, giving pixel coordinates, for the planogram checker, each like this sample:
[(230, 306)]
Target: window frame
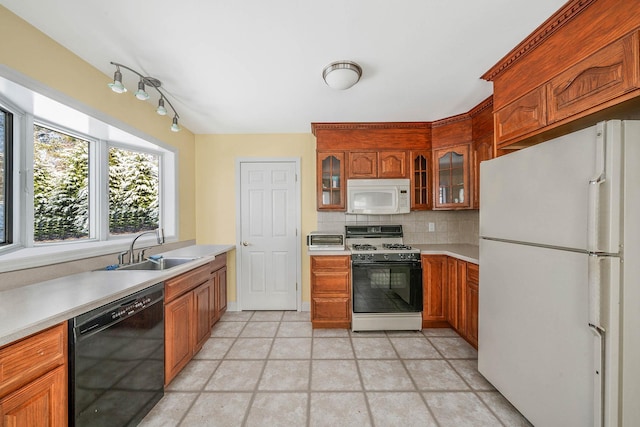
[(8, 177), (22, 252)]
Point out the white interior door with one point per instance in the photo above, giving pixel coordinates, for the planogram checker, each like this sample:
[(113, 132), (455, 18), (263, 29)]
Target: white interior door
[(269, 209)]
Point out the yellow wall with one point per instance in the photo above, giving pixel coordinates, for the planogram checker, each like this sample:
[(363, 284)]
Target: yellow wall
[(32, 53), (216, 187)]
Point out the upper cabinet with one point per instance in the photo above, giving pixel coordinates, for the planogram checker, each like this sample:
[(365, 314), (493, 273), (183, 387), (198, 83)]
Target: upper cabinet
[(452, 177), (569, 73), (420, 165), (330, 180), (361, 151), (383, 164)]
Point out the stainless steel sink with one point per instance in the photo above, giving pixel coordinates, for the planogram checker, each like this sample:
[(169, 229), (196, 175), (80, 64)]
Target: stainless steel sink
[(160, 264)]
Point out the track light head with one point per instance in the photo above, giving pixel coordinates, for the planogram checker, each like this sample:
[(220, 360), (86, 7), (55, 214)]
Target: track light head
[(161, 110), (117, 85), (174, 125), (141, 94)]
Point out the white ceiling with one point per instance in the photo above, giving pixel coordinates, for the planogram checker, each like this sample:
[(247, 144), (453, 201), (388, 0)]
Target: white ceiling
[(255, 66)]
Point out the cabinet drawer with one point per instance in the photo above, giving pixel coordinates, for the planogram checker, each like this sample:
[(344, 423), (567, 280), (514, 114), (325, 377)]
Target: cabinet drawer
[(338, 261), (330, 282), (473, 273), (523, 115), (178, 285), (601, 77), (331, 309), (218, 263), (31, 357)]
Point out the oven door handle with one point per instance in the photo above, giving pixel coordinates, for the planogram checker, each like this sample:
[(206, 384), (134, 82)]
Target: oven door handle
[(411, 264)]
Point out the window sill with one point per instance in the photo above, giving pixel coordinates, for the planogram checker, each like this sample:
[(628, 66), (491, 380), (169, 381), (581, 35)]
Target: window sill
[(24, 258)]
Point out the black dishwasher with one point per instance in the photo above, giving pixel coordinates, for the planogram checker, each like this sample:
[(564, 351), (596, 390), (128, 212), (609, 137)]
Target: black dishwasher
[(116, 360)]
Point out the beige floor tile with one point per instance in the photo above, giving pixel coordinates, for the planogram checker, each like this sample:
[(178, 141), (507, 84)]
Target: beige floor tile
[(404, 409), (338, 409), (334, 375), (468, 370), (250, 348), (260, 329), (267, 316), (454, 348), (291, 348), (194, 376), (460, 409), (289, 375), (368, 334), (278, 409), (295, 329), (236, 375), (296, 316), (227, 329), (434, 375), (439, 332), (218, 409), (504, 410), (331, 333), (373, 348), (236, 316), (170, 410), (384, 375), (332, 348), (406, 334), (215, 348), (414, 348)]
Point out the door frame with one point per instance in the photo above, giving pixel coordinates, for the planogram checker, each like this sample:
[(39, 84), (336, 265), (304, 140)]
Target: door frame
[(298, 193)]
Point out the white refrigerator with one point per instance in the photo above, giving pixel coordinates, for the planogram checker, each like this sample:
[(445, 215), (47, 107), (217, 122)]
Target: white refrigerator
[(559, 308)]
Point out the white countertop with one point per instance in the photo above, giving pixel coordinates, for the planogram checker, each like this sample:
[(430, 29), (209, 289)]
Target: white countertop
[(469, 253), (29, 309)]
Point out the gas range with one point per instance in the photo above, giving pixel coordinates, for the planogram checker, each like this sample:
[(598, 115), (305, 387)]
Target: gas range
[(378, 243)]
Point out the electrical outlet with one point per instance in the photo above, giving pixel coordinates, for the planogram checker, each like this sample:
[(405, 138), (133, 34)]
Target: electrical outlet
[(432, 227)]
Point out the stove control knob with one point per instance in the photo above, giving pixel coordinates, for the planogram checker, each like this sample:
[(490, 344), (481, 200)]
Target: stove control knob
[(402, 256), (386, 256)]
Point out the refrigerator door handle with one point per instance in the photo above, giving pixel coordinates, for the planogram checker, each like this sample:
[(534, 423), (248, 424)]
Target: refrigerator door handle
[(595, 187), (595, 301)]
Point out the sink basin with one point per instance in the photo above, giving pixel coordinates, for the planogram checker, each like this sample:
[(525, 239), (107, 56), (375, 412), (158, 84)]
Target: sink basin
[(161, 264)]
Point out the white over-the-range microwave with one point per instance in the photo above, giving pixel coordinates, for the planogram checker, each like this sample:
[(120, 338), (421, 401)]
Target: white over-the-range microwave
[(378, 196)]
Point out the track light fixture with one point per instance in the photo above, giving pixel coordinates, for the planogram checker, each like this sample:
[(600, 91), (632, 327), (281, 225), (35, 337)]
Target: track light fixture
[(142, 94)]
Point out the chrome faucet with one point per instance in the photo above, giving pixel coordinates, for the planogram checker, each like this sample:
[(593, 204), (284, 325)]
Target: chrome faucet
[(159, 232)]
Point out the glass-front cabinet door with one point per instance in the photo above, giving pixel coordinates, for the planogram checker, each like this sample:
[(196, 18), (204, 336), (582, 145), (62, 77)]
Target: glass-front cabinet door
[(420, 180), (330, 181), (452, 177)]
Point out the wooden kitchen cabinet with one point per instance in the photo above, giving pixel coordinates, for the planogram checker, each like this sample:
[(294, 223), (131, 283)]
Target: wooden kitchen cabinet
[(331, 291), (434, 282), (330, 181), (526, 114), (456, 298), (187, 318), (377, 164), (471, 304), (603, 76), (452, 177), (420, 175), (218, 282), (33, 380)]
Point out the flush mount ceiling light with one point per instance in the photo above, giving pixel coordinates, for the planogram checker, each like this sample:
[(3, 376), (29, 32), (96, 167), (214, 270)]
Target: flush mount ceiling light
[(341, 75), (142, 94)]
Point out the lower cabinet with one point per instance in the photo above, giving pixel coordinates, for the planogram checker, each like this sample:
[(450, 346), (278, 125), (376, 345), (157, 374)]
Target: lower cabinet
[(187, 318), (451, 295), (33, 380), (218, 283), (331, 291)]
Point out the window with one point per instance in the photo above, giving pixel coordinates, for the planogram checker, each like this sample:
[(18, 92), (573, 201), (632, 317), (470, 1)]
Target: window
[(60, 186), (73, 185), (133, 191), (6, 141)]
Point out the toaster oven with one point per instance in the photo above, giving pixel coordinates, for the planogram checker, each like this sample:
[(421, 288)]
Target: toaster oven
[(324, 241)]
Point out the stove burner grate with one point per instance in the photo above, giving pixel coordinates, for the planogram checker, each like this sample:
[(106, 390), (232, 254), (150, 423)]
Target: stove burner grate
[(364, 247), (396, 246)]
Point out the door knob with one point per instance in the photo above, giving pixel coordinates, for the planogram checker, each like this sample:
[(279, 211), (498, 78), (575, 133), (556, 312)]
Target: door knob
[(245, 243)]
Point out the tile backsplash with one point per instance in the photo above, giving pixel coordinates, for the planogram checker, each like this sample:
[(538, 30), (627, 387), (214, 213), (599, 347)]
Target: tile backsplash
[(448, 226)]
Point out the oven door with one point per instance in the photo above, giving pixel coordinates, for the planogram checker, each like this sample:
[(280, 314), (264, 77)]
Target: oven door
[(381, 287)]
